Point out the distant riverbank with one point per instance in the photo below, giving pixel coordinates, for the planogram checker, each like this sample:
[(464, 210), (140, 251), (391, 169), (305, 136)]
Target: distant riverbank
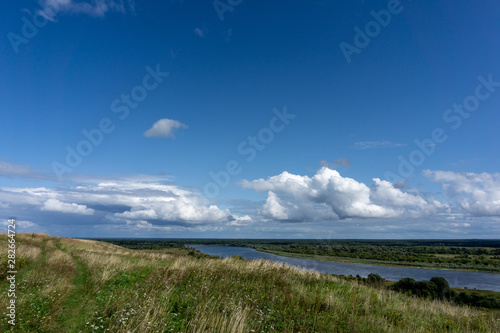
[(461, 255), (459, 279), (369, 261)]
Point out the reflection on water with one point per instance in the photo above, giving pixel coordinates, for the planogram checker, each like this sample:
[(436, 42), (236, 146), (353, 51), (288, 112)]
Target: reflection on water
[(460, 279)]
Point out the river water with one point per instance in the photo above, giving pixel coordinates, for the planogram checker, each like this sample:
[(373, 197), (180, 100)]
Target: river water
[(460, 279)]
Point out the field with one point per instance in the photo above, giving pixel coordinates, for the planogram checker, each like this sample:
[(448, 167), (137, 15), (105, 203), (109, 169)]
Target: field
[(70, 285)]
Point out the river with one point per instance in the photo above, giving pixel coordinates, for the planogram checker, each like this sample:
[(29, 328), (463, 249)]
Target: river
[(460, 279)]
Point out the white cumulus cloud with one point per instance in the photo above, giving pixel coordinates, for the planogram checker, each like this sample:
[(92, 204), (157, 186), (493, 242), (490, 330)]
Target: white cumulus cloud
[(164, 128), (329, 196), (55, 205), (130, 200), (274, 207), (477, 194)]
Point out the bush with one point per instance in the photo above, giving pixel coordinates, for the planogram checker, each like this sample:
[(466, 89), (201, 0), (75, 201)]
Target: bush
[(443, 287), (426, 289), (420, 288), (405, 284), (375, 280), (439, 288)]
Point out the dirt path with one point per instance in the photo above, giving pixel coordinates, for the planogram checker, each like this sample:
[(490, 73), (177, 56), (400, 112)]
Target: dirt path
[(71, 316)]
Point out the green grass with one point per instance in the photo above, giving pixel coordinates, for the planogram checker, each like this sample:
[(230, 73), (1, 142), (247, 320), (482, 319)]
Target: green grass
[(69, 318), (89, 286)]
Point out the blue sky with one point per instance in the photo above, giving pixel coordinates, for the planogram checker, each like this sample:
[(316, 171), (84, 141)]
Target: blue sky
[(310, 119)]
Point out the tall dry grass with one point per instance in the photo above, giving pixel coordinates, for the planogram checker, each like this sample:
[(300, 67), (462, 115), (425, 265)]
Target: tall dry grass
[(40, 291), (121, 290)]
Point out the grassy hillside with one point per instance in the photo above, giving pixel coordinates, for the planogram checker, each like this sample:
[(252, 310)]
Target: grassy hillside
[(68, 285)]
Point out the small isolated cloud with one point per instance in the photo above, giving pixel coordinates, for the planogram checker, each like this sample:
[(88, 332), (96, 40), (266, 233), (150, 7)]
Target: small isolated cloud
[(377, 144), (21, 225), (329, 196), (54, 205), (240, 220), (95, 8), (26, 224), (341, 162), (476, 194), (164, 128), (199, 32), (20, 170)]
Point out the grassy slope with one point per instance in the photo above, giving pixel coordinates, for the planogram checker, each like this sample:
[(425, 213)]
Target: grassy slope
[(88, 286)]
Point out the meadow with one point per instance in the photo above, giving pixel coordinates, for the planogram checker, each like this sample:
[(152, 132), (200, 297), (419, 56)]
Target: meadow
[(72, 285)]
